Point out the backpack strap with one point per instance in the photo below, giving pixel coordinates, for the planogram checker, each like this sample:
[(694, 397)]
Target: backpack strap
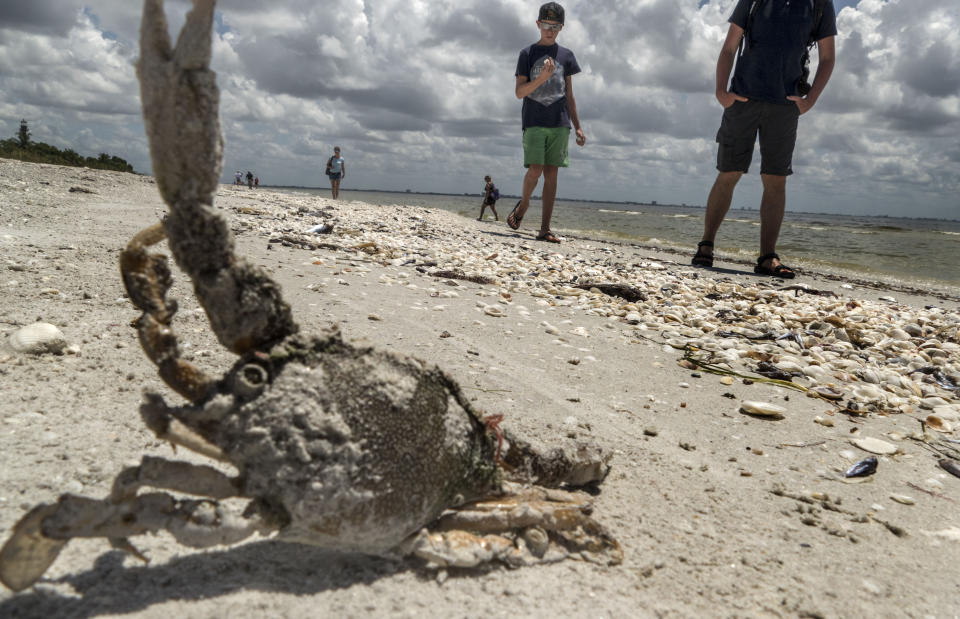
[(745, 39)]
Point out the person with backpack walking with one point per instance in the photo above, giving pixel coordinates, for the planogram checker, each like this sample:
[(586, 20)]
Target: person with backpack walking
[(490, 196), (770, 41), (544, 75), (337, 171)]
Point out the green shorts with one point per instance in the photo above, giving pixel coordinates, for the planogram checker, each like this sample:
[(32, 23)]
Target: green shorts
[(546, 146)]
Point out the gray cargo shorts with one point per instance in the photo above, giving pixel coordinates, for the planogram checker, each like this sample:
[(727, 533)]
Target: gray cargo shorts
[(777, 127)]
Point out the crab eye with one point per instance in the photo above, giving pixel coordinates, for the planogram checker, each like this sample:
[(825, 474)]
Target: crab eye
[(250, 380)]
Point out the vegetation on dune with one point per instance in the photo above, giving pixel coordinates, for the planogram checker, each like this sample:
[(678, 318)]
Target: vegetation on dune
[(23, 148)]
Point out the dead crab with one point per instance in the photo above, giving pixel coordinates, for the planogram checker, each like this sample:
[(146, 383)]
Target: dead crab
[(336, 446)]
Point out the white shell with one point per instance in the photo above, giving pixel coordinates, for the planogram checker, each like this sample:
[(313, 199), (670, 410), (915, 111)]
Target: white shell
[(763, 409), (875, 446), (903, 499), (37, 339)]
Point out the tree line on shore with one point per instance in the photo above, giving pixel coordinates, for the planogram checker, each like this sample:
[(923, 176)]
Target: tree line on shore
[(23, 148)]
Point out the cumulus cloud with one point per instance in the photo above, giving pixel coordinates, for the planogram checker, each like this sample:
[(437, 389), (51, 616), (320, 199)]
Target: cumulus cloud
[(420, 94)]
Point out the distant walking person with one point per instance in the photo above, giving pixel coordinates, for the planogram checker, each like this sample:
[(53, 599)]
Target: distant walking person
[(256, 182), (249, 179), (238, 178), (544, 81), (490, 196), (337, 171), (768, 94)]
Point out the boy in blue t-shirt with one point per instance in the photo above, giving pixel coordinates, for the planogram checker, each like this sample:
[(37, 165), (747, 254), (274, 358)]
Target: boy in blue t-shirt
[(766, 97), (544, 72)]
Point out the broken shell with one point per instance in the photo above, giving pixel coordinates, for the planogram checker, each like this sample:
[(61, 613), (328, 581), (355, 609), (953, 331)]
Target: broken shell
[(875, 446), (727, 380), (762, 409), (951, 466), (824, 421), (903, 499), (38, 338), (867, 466)]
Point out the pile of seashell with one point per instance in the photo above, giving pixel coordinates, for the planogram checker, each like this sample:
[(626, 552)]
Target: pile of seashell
[(868, 356)]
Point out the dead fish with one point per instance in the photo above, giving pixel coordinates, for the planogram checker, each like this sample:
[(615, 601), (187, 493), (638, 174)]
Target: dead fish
[(951, 466), (865, 467)]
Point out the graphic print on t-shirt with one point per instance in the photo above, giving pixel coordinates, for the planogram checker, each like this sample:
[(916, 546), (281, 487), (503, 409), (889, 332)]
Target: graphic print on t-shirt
[(551, 90)]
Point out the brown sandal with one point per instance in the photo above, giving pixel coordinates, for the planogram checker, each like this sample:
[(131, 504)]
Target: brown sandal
[(548, 236)]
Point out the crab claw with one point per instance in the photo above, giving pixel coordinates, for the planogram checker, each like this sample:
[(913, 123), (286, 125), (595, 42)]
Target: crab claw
[(180, 102), (180, 112), (28, 553)]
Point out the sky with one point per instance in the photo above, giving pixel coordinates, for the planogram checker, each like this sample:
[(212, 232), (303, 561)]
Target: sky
[(420, 95)]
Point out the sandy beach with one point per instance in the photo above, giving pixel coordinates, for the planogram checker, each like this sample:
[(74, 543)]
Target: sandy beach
[(719, 513)]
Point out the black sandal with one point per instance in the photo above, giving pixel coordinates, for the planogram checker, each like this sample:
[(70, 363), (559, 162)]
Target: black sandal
[(781, 270), (701, 259), (548, 236), (514, 219)]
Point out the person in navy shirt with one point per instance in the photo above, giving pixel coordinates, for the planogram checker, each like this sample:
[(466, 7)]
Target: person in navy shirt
[(768, 94), (544, 82)]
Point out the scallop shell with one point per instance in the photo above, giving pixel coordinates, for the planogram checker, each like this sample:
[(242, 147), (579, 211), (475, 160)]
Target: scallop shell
[(37, 339), (763, 409), (875, 446)]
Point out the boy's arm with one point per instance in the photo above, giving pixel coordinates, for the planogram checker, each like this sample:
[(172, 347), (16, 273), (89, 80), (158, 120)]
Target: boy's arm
[(525, 87), (572, 110), (343, 169)]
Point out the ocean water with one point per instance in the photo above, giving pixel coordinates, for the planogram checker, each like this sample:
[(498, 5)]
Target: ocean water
[(919, 253)]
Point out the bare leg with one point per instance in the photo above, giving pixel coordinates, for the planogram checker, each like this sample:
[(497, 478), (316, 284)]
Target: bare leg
[(549, 195), (718, 203), (483, 207), (530, 180), (494, 209), (772, 206)]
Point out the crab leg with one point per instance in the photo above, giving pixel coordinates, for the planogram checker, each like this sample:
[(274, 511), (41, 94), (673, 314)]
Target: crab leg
[(147, 278), (41, 534), (180, 102), (184, 477)]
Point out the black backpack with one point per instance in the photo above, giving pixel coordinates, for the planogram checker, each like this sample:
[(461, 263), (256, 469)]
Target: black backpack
[(803, 87)]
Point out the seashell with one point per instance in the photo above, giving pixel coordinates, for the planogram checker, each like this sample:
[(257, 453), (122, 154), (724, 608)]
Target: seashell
[(875, 446), (903, 499), (950, 466), (762, 409), (932, 403), (868, 393), (869, 375), (865, 467), (824, 421), (913, 330), (939, 424), (828, 392), (947, 413), (493, 310), (898, 334), (37, 339)]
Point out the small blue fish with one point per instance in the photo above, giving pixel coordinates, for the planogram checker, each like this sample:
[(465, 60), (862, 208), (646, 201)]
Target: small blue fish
[(863, 468)]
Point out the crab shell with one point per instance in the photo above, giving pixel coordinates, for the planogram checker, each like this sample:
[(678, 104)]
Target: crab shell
[(343, 447)]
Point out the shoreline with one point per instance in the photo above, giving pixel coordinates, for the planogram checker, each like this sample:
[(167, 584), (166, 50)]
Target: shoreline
[(718, 512)]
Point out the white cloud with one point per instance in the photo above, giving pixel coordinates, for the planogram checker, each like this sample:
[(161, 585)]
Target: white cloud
[(420, 94)]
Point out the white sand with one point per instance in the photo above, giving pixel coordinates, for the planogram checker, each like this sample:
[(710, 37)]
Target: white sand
[(690, 500)]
